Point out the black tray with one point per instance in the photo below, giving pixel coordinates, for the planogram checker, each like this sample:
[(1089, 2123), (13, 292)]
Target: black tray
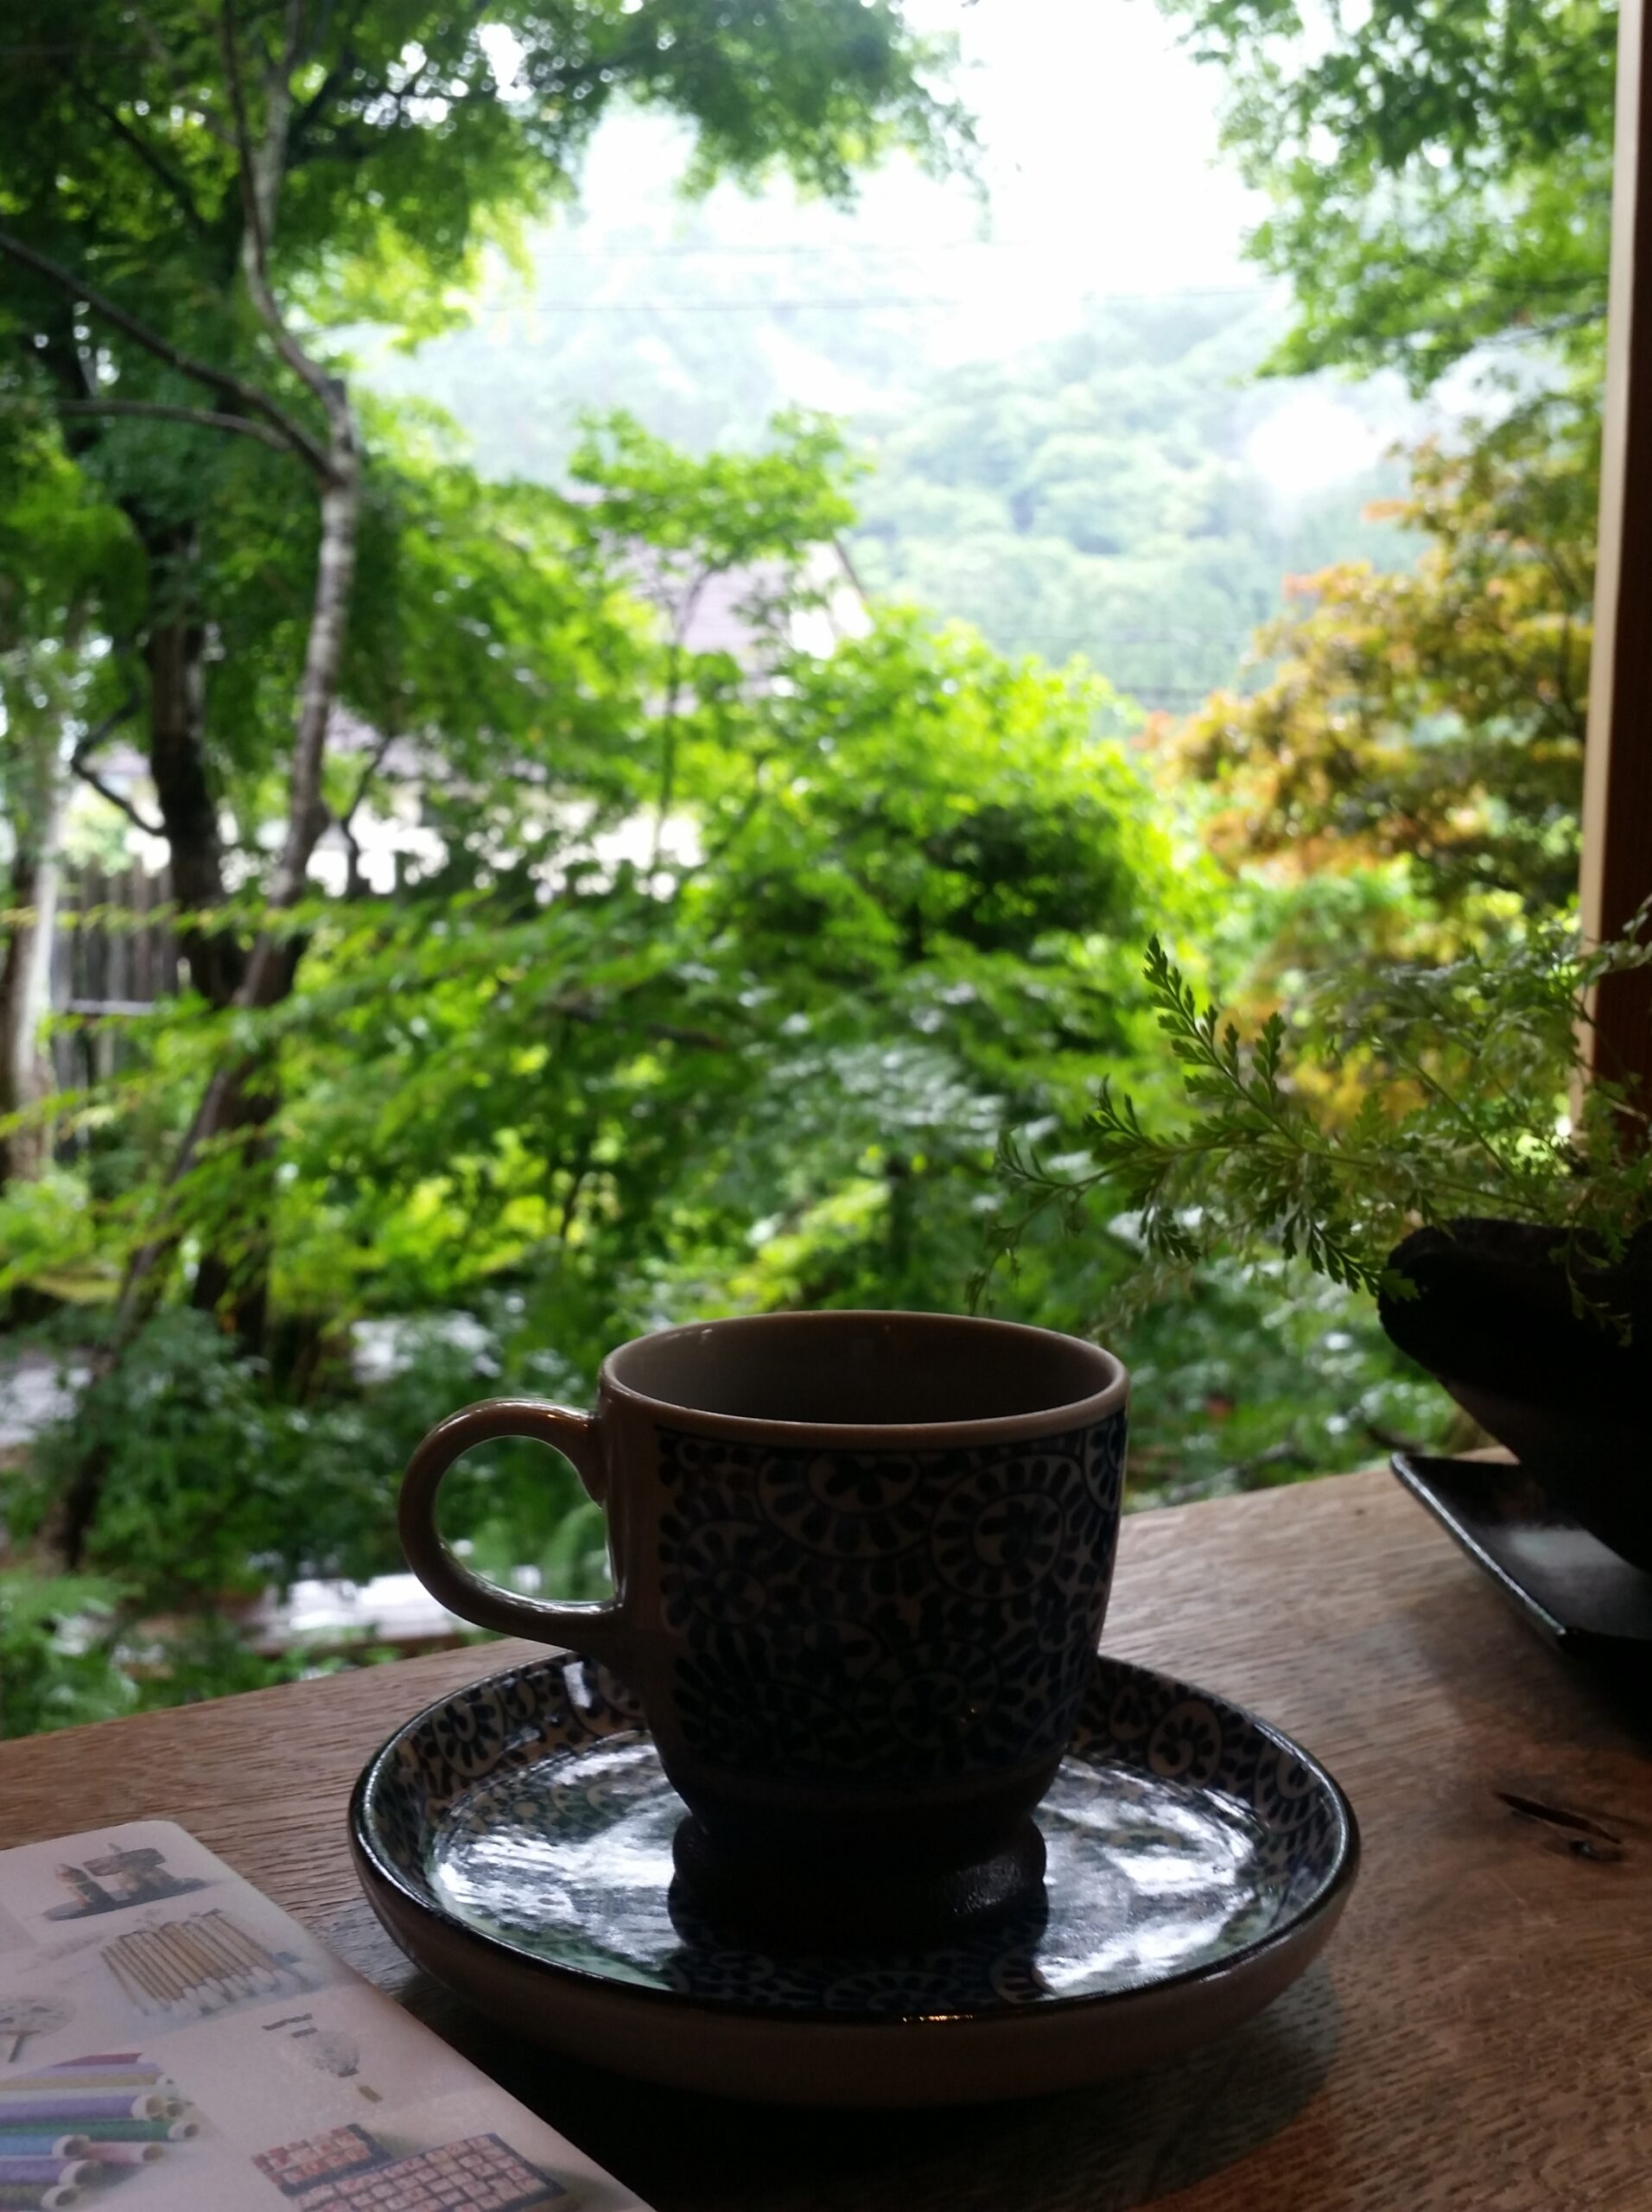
[(1570, 1585)]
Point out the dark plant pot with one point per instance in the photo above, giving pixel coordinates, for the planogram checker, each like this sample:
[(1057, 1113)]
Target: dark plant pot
[(1493, 1323)]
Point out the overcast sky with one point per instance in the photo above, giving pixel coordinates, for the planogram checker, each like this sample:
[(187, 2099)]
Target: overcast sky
[(1100, 169), (1101, 141)]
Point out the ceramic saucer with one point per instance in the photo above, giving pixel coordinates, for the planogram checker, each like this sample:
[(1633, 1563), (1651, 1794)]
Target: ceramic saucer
[(515, 1839)]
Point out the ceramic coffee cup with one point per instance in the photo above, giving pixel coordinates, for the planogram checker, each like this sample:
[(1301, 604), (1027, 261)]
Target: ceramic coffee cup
[(860, 1562)]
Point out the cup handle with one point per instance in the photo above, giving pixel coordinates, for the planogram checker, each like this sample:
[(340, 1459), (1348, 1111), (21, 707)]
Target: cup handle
[(598, 1629)]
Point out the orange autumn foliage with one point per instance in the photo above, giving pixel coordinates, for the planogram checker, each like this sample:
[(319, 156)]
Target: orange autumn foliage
[(1433, 715)]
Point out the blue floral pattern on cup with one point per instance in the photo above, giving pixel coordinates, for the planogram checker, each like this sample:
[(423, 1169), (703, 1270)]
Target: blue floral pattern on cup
[(924, 1615)]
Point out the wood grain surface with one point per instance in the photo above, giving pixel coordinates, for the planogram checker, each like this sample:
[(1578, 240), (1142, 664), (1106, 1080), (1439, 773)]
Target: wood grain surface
[(1478, 2036)]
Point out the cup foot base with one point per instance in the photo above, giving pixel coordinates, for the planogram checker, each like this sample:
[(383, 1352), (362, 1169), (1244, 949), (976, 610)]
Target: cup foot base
[(777, 1903)]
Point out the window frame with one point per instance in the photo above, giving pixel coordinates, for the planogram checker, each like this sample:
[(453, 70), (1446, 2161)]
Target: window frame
[(1616, 876)]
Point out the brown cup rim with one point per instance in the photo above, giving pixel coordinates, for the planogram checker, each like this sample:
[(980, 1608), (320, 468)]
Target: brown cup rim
[(1043, 1421)]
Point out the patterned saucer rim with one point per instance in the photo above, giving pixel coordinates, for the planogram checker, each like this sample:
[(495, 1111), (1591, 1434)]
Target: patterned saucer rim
[(1293, 1929)]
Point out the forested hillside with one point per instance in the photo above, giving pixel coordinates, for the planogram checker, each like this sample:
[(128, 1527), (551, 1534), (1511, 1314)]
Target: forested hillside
[(1095, 492), (1097, 497)]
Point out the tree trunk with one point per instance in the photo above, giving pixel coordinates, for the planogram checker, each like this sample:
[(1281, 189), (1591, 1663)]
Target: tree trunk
[(174, 651), (242, 1098), (242, 1094), (175, 655), (232, 1275), (25, 981)]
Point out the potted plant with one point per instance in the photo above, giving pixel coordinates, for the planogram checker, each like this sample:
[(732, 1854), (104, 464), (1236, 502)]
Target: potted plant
[(1427, 1138)]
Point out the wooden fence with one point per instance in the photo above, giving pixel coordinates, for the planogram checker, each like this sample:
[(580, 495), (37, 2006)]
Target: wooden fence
[(114, 953)]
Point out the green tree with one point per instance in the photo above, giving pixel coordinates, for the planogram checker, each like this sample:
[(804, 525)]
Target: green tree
[(63, 587), (189, 207), (1442, 176), (1431, 718), (1440, 181), (1095, 495), (708, 983), (192, 210)]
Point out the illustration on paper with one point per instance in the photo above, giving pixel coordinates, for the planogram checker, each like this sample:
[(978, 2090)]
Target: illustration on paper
[(163, 2025), (350, 2167), (113, 1879), (186, 1969), (22, 2017), (85, 2123), (328, 2051)]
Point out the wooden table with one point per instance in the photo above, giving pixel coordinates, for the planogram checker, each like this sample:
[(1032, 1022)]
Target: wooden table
[(1479, 2034)]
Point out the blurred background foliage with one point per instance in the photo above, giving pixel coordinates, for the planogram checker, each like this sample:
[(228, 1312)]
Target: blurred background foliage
[(733, 820)]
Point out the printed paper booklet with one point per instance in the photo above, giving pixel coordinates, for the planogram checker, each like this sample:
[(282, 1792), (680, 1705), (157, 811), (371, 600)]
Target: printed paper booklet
[(170, 2040)]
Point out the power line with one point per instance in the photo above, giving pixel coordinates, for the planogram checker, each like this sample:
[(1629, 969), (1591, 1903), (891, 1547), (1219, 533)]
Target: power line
[(689, 304), (1138, 637), (812, 249), (684, 249)]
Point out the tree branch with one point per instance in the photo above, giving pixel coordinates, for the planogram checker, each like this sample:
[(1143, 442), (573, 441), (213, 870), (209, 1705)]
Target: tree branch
[(669, 1033), (222, 380), (168, 177), (79, 767), (336, 76), (269, 971), (184, 91), (840, 546), (261, 168), (112, 721), (261, 173), (682, 617), (88, 775), (375, 761), (206, 418), (347, 821)]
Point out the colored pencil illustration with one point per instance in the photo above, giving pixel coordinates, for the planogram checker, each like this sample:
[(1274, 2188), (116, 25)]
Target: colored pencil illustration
[(87, 2121), (103, 2062), (223, 1934), (91, 2120), (20, 2103), (195, 1969), (329, 2051), (182, 2129), (243, 1973), (86, 2081), (38, 2196)]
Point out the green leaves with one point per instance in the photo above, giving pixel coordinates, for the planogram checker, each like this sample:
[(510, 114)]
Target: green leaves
[(1428, 719), (55, 1669), (684, 943), (1253, 1138), (1440, 176), (418, 132), (1427, 1095)]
